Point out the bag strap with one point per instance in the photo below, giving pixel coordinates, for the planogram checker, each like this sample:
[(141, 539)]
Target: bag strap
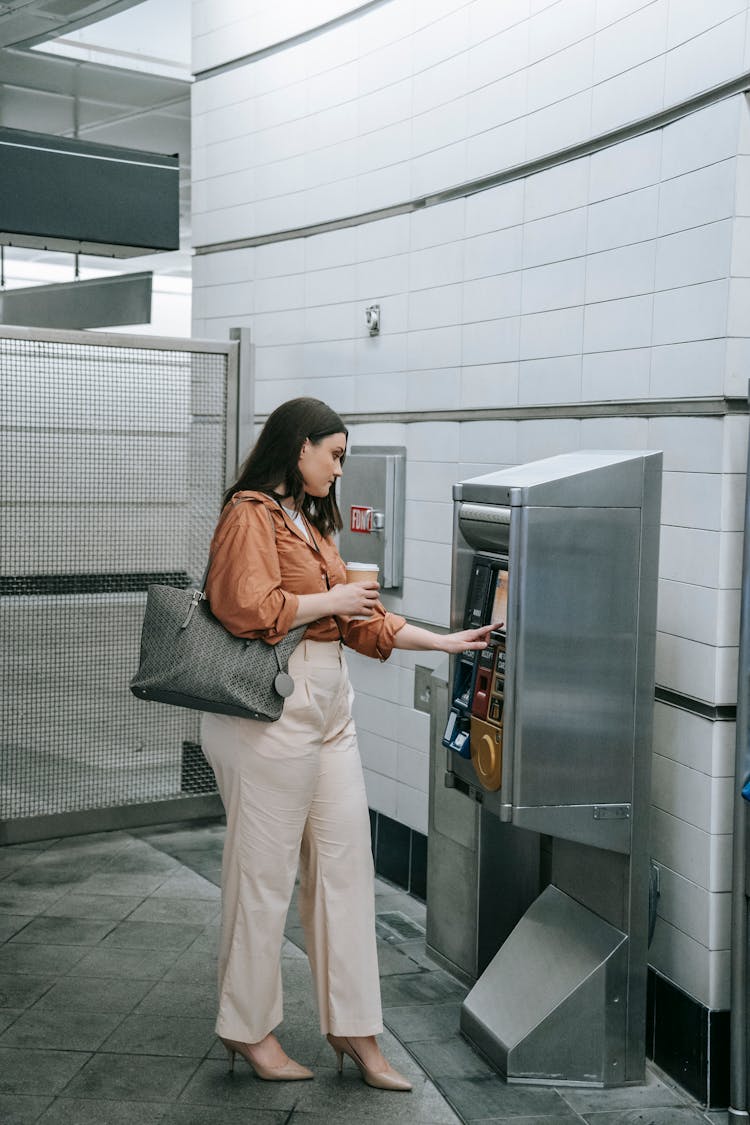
[(199, 594)]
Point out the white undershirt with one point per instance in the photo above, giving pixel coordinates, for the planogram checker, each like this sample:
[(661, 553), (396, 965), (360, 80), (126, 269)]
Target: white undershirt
[(297, 518)]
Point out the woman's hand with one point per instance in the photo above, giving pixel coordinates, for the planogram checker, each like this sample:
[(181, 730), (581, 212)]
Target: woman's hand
[(467, 639), (417, 639), (353, 598)]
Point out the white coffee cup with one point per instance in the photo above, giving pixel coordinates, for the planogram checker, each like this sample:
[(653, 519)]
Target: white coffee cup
[(361, 572)]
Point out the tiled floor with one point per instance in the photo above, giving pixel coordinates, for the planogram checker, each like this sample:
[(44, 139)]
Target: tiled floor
[(107, 996)]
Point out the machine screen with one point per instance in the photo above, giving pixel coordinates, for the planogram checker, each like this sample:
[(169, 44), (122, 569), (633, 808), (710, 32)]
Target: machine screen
[(500, 603)]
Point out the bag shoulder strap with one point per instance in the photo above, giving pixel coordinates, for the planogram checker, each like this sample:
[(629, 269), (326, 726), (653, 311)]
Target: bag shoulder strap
[(233, 504)]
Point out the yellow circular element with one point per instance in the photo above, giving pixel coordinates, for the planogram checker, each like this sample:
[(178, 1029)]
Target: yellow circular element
[(487, 761)]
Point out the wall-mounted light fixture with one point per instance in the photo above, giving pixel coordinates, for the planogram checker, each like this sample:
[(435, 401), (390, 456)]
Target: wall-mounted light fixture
[(372, 317)]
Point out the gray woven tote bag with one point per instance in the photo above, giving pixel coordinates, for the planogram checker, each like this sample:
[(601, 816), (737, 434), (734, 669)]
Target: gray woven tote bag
[(189, 659)]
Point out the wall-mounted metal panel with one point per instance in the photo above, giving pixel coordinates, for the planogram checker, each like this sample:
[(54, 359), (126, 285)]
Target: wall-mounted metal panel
[(62, 194), (372, 507), (97, 303)]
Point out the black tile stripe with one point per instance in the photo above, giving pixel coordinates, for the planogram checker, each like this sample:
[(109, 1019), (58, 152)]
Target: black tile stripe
[(722, 712), (25, 585)]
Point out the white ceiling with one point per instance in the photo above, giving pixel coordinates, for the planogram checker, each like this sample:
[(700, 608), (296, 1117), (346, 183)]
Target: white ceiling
[(48, 93), (23, 22)]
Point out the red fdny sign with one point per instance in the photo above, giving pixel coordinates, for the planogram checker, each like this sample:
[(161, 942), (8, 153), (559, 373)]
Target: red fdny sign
[(360, 519)]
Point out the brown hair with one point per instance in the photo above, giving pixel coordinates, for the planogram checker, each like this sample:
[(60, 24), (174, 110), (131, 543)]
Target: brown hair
[(273, 459)]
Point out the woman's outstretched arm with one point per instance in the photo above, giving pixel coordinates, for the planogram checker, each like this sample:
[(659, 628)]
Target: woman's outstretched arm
[(416, 639)]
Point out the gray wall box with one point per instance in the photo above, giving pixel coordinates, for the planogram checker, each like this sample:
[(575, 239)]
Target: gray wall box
[(373, 489), (100, 302), (62, 194)]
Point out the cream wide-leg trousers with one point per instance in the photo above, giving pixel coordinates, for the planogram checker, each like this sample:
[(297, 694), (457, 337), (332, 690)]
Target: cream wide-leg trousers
[(294, 795)]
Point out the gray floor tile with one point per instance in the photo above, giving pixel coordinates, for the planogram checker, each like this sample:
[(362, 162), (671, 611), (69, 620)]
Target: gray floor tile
[(177, 998), (296, 935), (206, 1115), (61, 1029), (140, 861), (19, 900), (44, 930), (44, 960), (21, 1109), (213, 1085), (84, 994), (143, 1034), (76, 1111), (95, 907), (34, 847), (450, 1058), (45, 875), (11, 923), (416, 1022), (144, 1078), (130, 964), (435, 1109), (208, 939), (398, 1055), (344, 1098), (19, 990), (426, 987), (98, 843), (11, 862), (535, 1119), (289, 949), (186, 884), (25, 1072), (152, 935), (477, 1099), (652, 1095), (379, 1107), (394, 959), (193, 965), (195, 911), (9, 1016), (664, 1115), (121, 883), (417, 952)]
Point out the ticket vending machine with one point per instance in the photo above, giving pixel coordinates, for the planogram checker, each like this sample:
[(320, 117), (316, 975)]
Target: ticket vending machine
[(549, 728)]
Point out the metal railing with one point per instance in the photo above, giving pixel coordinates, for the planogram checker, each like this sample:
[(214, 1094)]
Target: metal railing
[(114, 454)]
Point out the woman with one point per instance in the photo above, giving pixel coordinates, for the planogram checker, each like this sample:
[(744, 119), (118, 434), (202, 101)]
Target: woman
[(293, 790)]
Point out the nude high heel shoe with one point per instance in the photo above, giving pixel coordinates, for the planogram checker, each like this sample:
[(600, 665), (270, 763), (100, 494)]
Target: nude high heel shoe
[(380, 1080), (291, 1071)]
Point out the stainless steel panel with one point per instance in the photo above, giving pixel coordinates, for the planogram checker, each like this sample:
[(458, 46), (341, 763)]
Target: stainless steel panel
[(509, 882), (485, 527), (576, 822), (576, 656), (374, 478), (452, 856), (559, 970), (590, 478), (594, 877)]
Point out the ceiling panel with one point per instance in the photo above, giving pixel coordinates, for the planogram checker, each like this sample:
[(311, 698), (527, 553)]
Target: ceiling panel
[(33, 21)]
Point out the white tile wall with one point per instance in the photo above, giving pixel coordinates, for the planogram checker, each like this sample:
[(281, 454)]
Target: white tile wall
[(620, 275), (608, 376), (631, 40), (625, 272)]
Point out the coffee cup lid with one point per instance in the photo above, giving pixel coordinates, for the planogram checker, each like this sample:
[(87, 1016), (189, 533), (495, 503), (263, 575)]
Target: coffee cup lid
[(362, 566)]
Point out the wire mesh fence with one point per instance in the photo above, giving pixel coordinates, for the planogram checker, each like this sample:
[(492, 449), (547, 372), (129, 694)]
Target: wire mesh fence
[(112, 465)]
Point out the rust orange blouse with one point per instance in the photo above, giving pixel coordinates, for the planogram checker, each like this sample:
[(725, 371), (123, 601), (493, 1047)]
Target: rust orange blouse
[(261, 562)]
